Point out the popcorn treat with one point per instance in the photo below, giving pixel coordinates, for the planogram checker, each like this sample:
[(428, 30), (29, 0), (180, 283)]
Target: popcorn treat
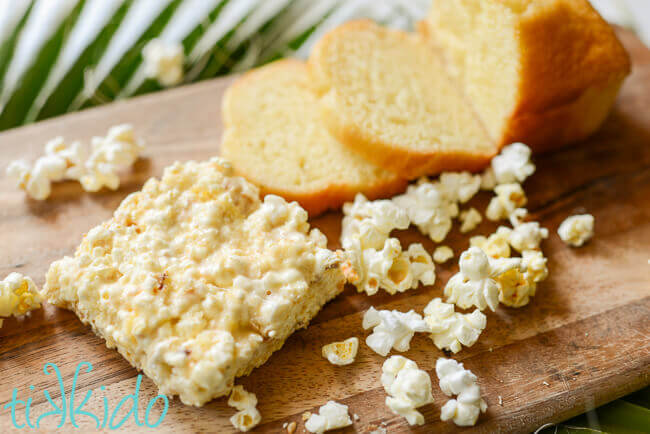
[(442, 254), (456, 380), (429, 207), (450, 330), (508, 198), (469, 219), (408, 388), (163, 61), (474, 284), (330, 416), (392, 329), (195, 280), (341, 353), (577, 230), (18, 296), (248, 416)]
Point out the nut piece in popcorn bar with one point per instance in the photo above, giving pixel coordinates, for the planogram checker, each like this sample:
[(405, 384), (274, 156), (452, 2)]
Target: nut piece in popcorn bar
[(248, 416), (474, 284), (456, 380), (18, 296), (451, 330), (392, 329), (408, 388), (330, 416), (577, 229), (341, 353)]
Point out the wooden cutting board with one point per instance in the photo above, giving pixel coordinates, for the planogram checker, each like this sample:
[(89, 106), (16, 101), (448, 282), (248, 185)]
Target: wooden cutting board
[(584, 340)]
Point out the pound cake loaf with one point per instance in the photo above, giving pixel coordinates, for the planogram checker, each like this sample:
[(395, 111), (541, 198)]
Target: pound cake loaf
[(195, 281), (541, 72), (275, 138), (385, 94)]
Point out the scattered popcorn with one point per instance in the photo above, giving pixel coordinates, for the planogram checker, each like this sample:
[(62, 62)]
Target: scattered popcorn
[(371, 221), (516, 287), (508, 198), (449, 329), (248, 416), (389, 268), (513, 164), (429, 207), (18, 296), (163, 61), (37, 181), (577, 229), (460, 186), (469, 219), (488, 180), (109, 154), (330, 416), (442, 254), (456, 380), (291, 427), (474, 284), (527, 236), (408, 388), (341, 353), (496, 245), (72, 162), (392, 329)]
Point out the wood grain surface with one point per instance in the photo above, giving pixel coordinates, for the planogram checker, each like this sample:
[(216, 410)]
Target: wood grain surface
[(584, 339)]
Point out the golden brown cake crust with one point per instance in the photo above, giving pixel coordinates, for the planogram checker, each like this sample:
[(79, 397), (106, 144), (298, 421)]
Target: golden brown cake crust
[(571, 67)]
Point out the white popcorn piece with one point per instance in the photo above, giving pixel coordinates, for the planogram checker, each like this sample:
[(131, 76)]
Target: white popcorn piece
[(474, 284), (451, 330), (513, 164), (442, 254), (460, 186), (37, 180), (429, 207), (371, 221), (456, 380), (248, 416), (163, 61), (577, 229), (392, 329), (389, 268), (469, 219), (341, 353), (527, 236), (508, 198), (488, 180), (63, 161), (516, 286), (119, 149), (18, 296), (408, 388), (330, 416), (496, 245)]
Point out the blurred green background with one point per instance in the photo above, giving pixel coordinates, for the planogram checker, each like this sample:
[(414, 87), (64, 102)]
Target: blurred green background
[(58, 56)]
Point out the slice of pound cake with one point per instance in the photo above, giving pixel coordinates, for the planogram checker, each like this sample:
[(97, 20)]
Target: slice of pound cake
[(385, 94), (276, 139), (196, 281), (542, 72)]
